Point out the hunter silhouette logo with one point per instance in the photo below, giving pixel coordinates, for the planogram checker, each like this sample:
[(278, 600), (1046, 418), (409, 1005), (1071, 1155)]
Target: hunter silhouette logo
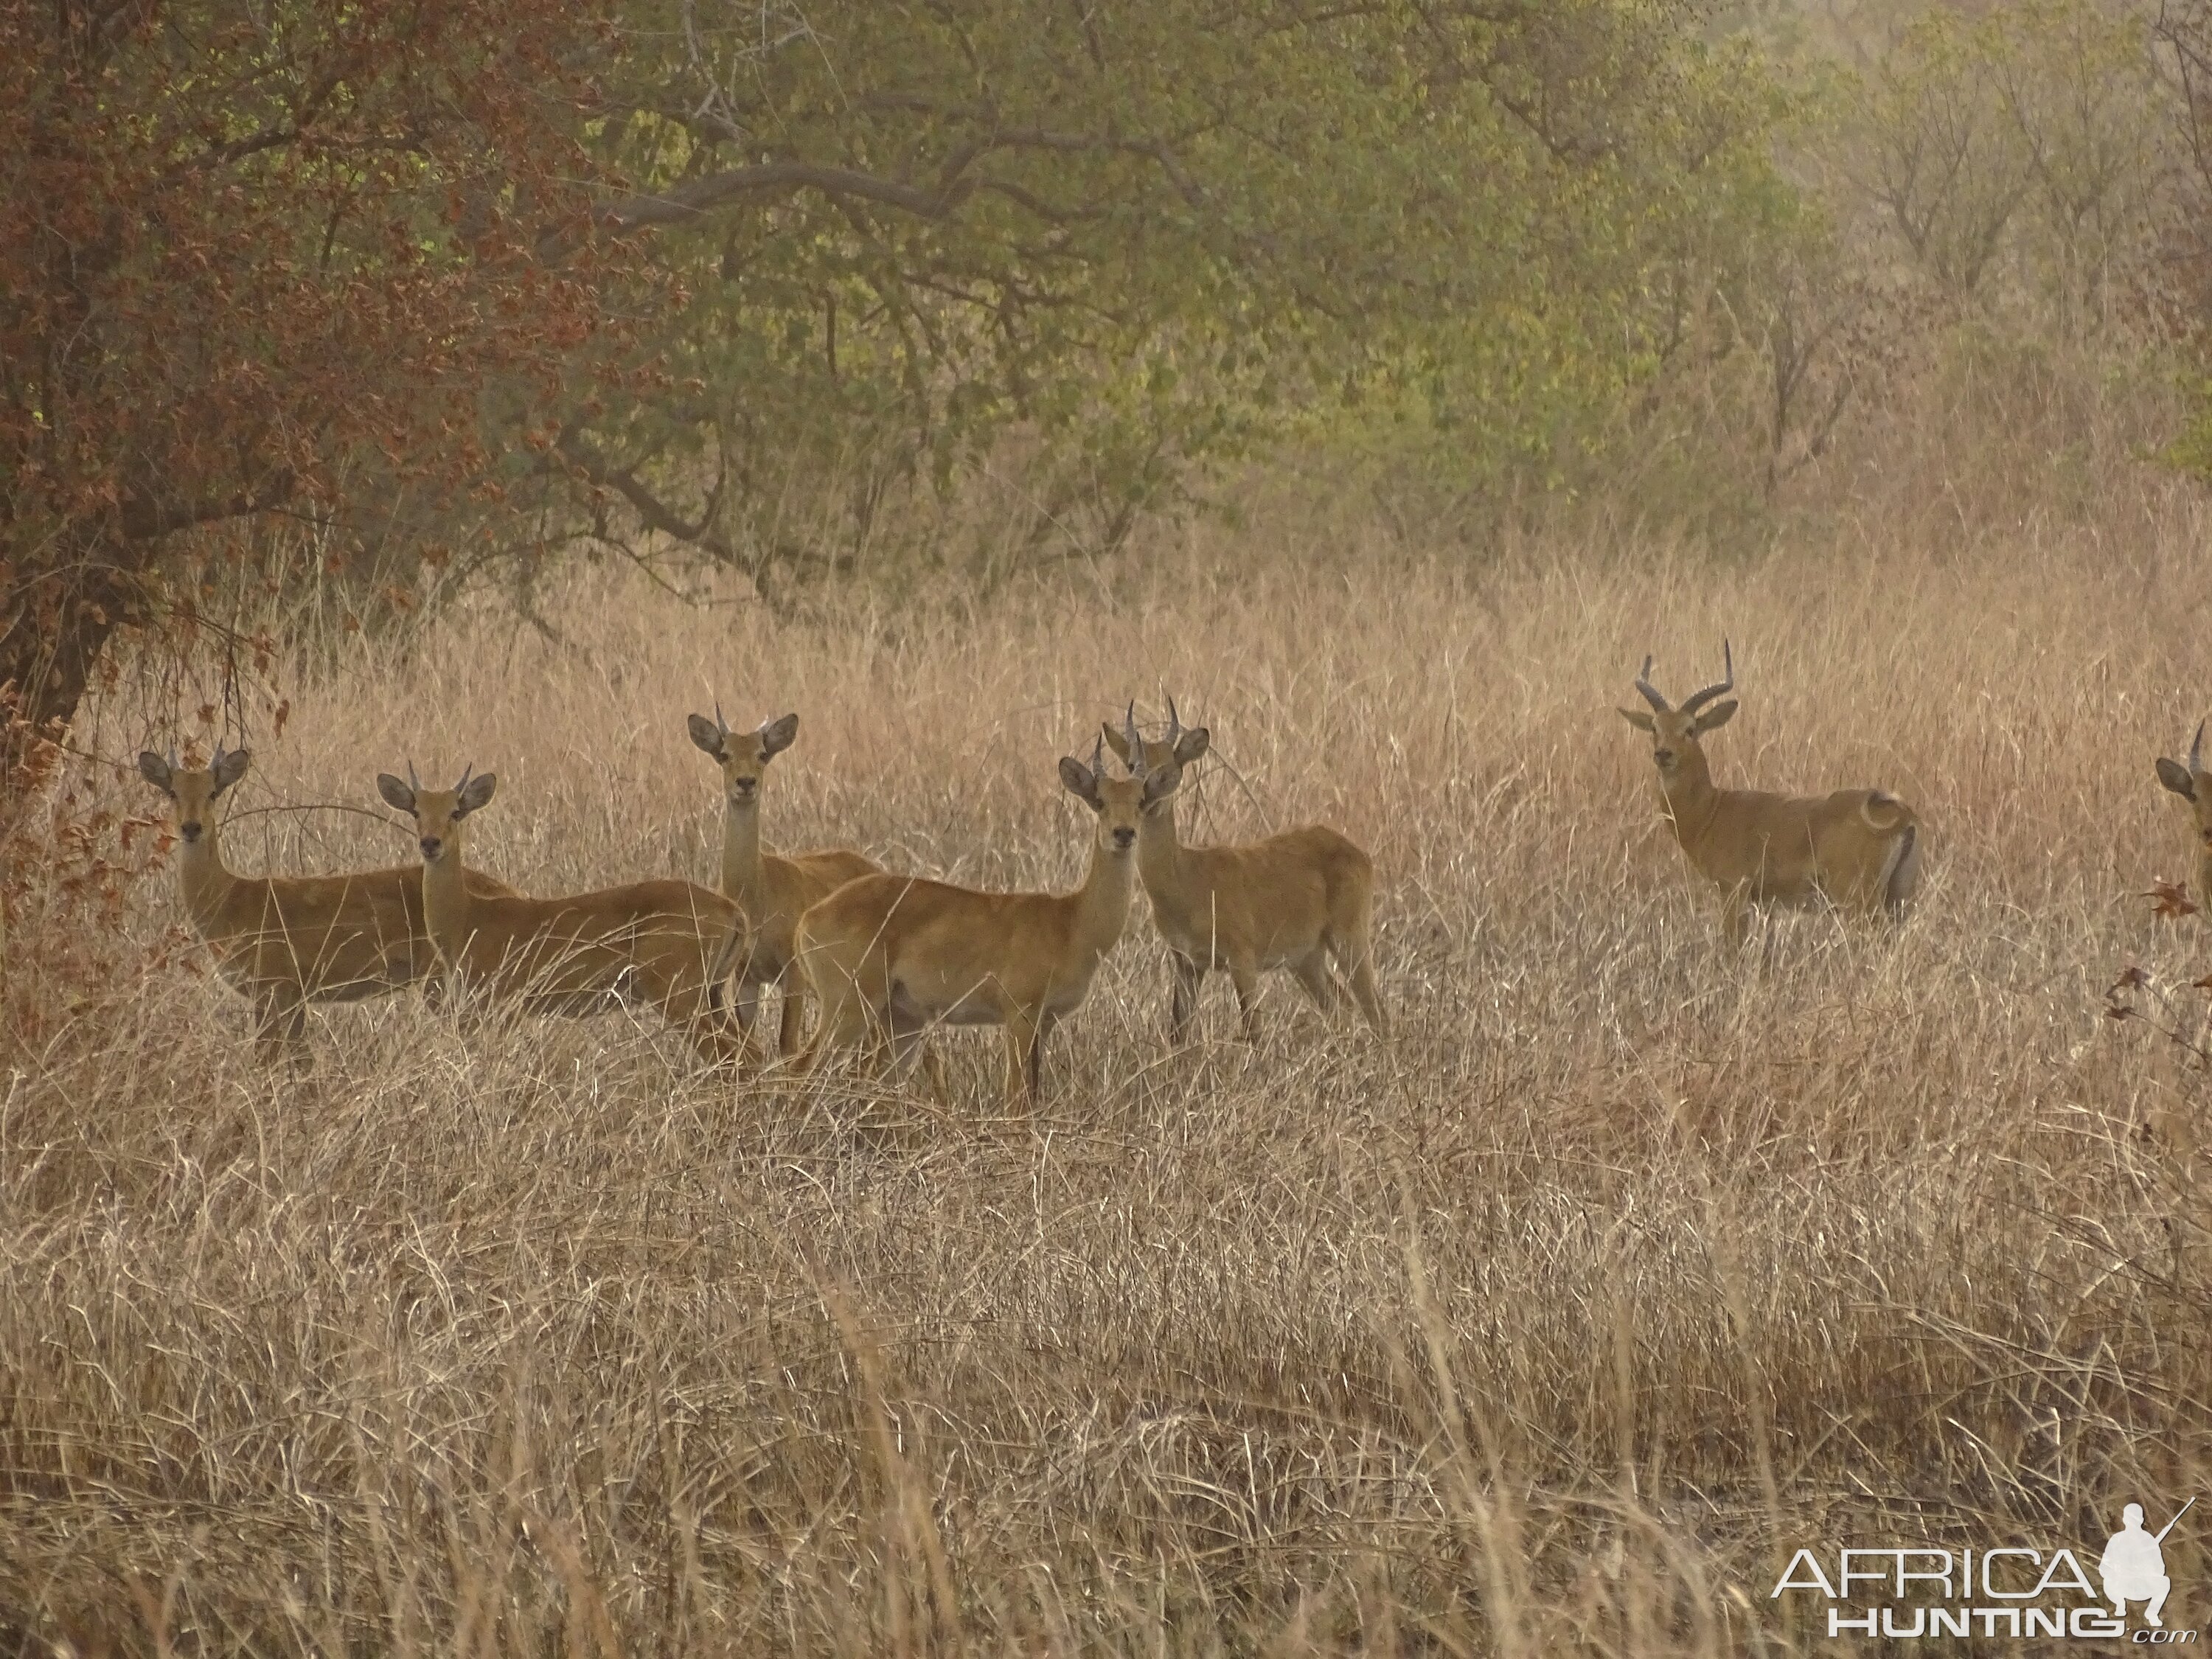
[(2134, 1567), (2015, 1590)]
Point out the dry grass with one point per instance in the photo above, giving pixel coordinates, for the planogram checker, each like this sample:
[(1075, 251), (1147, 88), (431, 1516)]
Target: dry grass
[(1554, 1323)]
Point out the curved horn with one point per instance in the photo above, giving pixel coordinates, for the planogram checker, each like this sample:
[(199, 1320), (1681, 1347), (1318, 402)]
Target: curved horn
[(175, 764), (1175, 724), (1650, 691), (1131, 735), (413, 782), (2197, 750), (466, 771), (1698, 700), (1098, 755), (720, 724)]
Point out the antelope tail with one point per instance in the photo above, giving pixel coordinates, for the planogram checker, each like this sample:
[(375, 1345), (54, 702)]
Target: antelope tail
[(1900, 870), (1884, 812)]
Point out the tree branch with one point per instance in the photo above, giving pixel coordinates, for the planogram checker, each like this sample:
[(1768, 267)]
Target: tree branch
[(690, 201), (653, 513), (145, 519)]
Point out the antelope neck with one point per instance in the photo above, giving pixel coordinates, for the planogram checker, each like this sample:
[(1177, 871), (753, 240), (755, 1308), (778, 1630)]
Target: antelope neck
[(1159, 848), (1689, 795), (200, 869), (1101, 907), (742, 880), (446, 900)]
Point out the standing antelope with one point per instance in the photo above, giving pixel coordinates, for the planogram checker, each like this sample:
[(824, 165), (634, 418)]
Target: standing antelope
[(667, 942), (289, 940), (888, 955), (2194, 785), (1856, 846), (1291, 901), (773, 889)]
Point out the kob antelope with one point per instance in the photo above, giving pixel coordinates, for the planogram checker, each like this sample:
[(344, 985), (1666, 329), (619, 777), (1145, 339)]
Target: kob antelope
[(1855, 846), (666, 943), (289, 940), (1294, 900), (888, 955), (2194, 785), (772, 888)]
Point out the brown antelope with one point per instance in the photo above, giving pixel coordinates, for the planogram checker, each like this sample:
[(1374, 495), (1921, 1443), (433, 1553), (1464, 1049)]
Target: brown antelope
[(772, 888), (289, 940), (2194, 785), (888, 955), (1292, 901), (1856, 846), (670, 944)]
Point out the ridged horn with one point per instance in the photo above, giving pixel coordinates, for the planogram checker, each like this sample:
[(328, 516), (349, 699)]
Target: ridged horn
[(1698, 700)]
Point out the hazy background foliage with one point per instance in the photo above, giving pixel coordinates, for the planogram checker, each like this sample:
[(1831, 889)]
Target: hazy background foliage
[(828, 293)]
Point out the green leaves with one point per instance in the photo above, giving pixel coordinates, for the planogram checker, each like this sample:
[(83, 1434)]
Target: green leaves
[(910, 233)]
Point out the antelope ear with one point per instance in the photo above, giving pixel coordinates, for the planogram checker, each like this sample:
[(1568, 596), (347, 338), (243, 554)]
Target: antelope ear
[(1080, 780), (1191, 745), (779, 735), (1716, 717), (706, 734), (1638, 718), (477, 794), (2171, 772), (1115, 742), (229, 770), (156, 770), (1162, 781), (397, 795)]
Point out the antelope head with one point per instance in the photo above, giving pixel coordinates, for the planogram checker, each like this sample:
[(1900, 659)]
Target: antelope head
[(1161, 759), (437, 812), (1674, 731), (193, 790), (2193, 784), (742, 756), (1120, 803)]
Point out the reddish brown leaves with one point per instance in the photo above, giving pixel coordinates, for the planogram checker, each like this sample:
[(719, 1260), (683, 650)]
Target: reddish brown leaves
[(228, 273), (2170, 901), (2119, 1003)]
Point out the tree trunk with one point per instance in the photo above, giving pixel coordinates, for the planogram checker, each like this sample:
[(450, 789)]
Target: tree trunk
[(50, 647)]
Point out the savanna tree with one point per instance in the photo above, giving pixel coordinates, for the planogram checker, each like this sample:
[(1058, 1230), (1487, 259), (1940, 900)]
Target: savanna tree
[(247, 250), (282, 261)]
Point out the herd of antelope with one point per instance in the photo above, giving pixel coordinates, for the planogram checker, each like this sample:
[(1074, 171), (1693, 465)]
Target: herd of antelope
[(887, 956)]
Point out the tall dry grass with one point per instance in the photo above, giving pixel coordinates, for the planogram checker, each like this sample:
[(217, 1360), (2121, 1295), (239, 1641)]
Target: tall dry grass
[(1554, 1323)]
